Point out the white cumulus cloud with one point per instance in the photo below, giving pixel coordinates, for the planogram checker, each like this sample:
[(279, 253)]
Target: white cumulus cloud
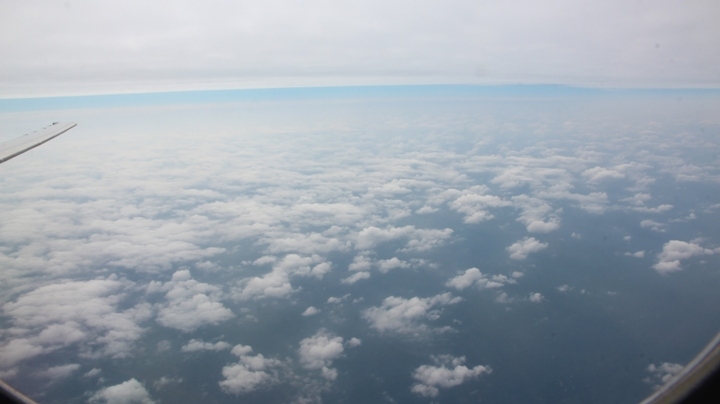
[(536, 297), (310, 311), (58, 372), (320, 350), (528, 245), (400, 315), (129, 392), (674, 251), (447, 372), (191, 304), (357, 276), (473, 277), (417, 239), (250, 373), (195, 345), (85, 314)]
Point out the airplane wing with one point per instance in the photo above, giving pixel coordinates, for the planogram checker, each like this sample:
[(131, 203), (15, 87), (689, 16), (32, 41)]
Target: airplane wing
[(22, 144)]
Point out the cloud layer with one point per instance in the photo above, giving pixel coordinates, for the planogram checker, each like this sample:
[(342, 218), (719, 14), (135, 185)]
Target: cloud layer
[(448, 372), (279, 43)]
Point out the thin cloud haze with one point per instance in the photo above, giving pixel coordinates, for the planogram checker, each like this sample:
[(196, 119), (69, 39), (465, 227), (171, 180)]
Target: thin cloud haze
[(86, 47)]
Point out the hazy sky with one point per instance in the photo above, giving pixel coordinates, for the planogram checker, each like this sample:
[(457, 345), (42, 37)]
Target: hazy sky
[(81, 47)]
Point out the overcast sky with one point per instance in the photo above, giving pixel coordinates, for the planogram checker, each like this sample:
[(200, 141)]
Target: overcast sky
[(90, 47)]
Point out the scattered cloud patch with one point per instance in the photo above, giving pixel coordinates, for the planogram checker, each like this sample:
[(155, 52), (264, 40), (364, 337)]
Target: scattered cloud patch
[(658, 209), (353, 342), (473, 277), (537, 215), (475, 206), (661, 374), (165, 381), (417, 239), (426, 210), (195, 345), (357, 276), (405, 316), (599, 174), (250, 373), (637, 254), (674, 251), (338, 300), (447, 372), (310, 311), (361, 263), (129, 392), (386, 265), (94, 372), (652, 225), (528, 245), (191, 304), (536, 297), (320, 350), (85, 314), (58, 372), (276, 283)]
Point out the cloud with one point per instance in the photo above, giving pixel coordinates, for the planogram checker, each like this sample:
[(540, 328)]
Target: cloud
[(195, 345), (386, 265), (58, 372), (473, 277), (353, 342), (476, 205), (418, 239), (674, 251), (536, 214), (310, 311), (295, 264), (658, 209), (536, 297), (426, 210), (637, 254), (276, 283), (598, 174), (85, 314), (528, 245), (250, 373), (320, 350), (361, 263), (639, 199), (263, 46), (337, 300), (356, 277), (165, 381), (653, 225), (404, 316), (594, 202), (191, 304), (448, 372), (129, 392), (659, 375)]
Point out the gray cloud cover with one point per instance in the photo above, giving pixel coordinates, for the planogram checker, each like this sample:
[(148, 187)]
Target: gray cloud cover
[(90, 47)]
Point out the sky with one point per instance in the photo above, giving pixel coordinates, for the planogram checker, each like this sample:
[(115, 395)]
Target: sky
[(431, 244), (396, 202), (77, 47)]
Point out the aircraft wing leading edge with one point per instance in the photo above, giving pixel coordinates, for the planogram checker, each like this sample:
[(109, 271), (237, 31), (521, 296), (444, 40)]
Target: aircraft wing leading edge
[(22, 144)]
